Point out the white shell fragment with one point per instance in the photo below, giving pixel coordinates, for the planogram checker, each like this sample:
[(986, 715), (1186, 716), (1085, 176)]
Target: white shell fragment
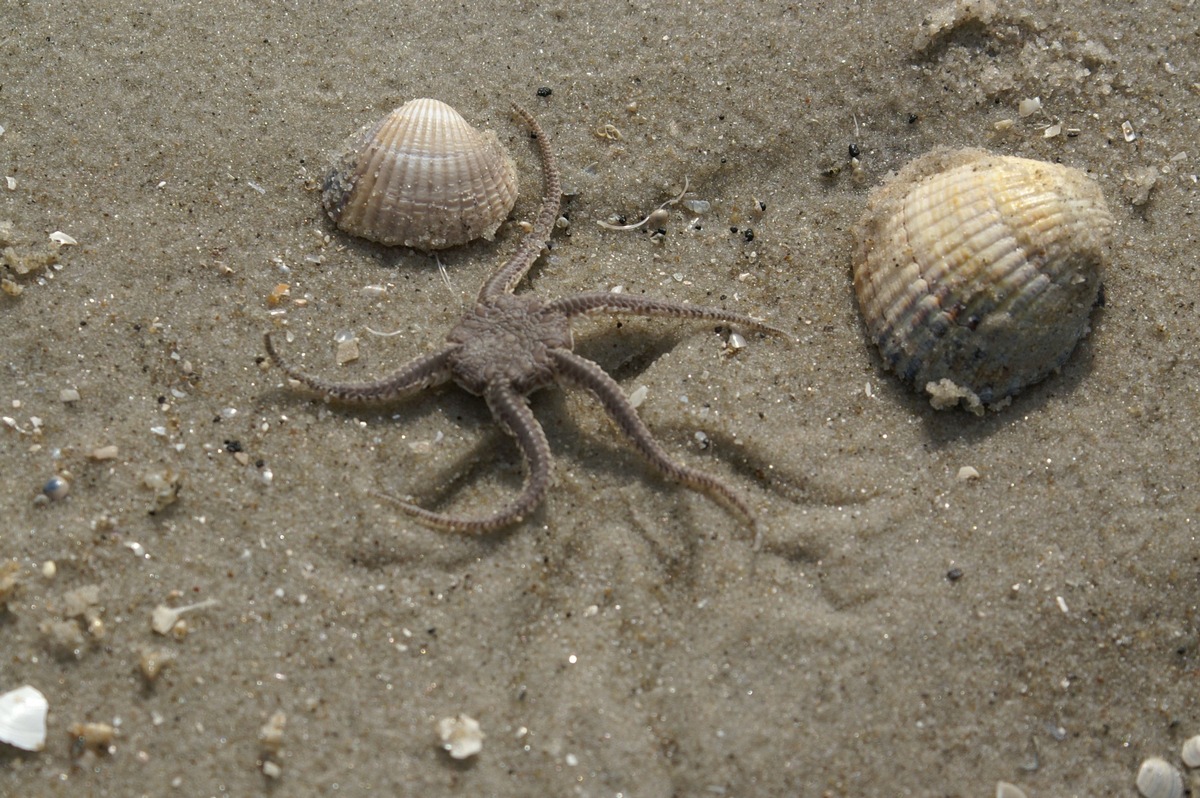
[(421, 177), (1191, 752), (1158, 778), (23, 718), (164, 618), (62, 239), (976, 273), (461, 737), (1006, 790)]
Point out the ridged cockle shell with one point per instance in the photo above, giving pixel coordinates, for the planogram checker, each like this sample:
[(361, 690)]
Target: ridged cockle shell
[(976, 273), (421, 177)]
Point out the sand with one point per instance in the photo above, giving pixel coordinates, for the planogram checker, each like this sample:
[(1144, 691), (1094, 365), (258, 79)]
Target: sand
[(901, 632)]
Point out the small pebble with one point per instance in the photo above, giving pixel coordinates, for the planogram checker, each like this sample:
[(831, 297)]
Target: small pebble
[(56, 488), (68, 395), (101, 453)]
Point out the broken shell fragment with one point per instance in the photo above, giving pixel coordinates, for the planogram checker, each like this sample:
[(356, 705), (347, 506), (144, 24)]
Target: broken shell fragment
[(23, 718), (461, 736), (1158, 778), (421, 177), (976, 273)]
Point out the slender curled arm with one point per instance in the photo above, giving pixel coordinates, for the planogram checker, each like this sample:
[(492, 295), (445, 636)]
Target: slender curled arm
[(586, 374), (515, 417), (505, 279), (423, 372), (607, 302)]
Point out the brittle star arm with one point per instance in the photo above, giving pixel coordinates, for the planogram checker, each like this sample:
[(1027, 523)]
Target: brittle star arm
[(587, 375), (608, 302), (512, 412), (420, 373), (505, 279)]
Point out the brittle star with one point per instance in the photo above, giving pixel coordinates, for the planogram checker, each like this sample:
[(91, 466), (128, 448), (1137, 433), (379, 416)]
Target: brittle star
[(508, 346)]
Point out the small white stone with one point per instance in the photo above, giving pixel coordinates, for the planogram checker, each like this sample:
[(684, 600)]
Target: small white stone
[(967, 473), (461, 736), (68, 395), (102, 453)]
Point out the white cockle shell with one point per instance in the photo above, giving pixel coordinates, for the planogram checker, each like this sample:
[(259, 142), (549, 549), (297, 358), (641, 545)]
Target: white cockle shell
[(976, 273), (23, 718), (421, 177), (1158, 778)]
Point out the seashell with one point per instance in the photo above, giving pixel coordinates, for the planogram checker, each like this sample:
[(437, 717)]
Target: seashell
[(421, 177), (976, 273), (1006, 790), (1158, 778), (1191, 752), (23, 718)]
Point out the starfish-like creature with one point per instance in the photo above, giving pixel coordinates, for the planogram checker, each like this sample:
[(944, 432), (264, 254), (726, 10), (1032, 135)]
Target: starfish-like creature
[(508, 346)]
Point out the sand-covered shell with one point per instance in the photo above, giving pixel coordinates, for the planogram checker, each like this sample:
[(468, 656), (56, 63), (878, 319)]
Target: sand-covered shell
[(976, 273), (421, 177)]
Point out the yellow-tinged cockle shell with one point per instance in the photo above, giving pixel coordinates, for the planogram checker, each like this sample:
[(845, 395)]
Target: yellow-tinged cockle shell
[(421, 177), (976, 273)]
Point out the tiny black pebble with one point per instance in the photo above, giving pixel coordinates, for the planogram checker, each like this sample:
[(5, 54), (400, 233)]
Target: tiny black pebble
[(954, 574), (912, 118), (233, 446), (854, 151), (748, 234), (733, 229), (259, 463), (545, 91)]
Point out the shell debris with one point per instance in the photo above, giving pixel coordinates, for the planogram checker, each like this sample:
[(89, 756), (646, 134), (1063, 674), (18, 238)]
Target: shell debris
[(89, 736), (977, 273), (10, 579), (23, 718), (461, 737), (1007, 790), (421, 177), (164, 618)]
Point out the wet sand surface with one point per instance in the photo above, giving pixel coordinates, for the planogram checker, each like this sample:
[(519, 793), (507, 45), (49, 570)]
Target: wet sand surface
[(901, 631)]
